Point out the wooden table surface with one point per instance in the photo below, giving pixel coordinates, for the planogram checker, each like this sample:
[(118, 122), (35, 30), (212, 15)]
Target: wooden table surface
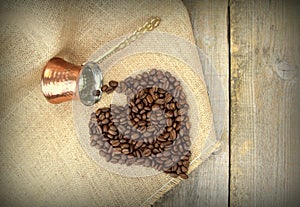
[(254, 46)]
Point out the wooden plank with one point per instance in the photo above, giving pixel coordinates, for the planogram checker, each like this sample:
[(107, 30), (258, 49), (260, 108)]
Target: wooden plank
[(265, 144), (208, 184)]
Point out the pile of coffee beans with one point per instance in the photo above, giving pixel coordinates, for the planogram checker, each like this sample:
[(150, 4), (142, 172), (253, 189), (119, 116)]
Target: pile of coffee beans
[(151, 130)]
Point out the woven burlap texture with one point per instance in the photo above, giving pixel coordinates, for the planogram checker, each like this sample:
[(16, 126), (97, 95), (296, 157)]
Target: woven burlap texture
[(42, 161)]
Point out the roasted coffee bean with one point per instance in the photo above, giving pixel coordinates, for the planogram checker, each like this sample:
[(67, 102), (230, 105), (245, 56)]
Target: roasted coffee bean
[(175, 158), (155, 151), (102, 153), (172, 106), (94, 138), (100, 143), (135, 136), (113, 128), (153, 72), (176, 83), (146, 152), (184, 169), (166, 153), (168, 74), (115, 143), (113, 84), (188, 125), (114, 160), (140, 161), (184, 176), (169, 129), (159, 167), (169, 114), (110, 136), (107, 115), (166, 136), (186, 164), (149, 99), (147, 163), (172, 79), (182, 111), (105, 121), (160, 101), (109, 90), (101, 116), (104, 88), (125, 151), (123, 141), (112, 132), (169, 122), (180, 163), (173, 168), (96, 93), (165, 84), (140, 106), (150, 146), (122, 161), (122, 87), (138, 153), (124, 146), (93, 143), (161, 139), (178, 171), (168, 163), (107, 145), (174, 175), (105, 109), (138, 144), (117, 151), (180, 148), (110, 150)]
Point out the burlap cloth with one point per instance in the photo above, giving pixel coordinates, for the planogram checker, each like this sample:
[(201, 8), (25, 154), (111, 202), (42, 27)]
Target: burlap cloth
[(42, 161)]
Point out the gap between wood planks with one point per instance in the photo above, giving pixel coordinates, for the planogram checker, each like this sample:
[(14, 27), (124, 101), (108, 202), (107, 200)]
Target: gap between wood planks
[(229, 99)]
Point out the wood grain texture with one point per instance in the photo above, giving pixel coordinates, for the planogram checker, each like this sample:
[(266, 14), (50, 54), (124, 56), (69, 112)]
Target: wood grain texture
[(265, 144), (208, 184)]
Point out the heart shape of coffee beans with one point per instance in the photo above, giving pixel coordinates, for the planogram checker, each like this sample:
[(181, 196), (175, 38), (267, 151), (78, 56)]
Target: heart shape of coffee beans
[(151, 130)]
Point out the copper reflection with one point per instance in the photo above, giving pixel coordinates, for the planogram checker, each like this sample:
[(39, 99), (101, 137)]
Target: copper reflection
[(59, 80)]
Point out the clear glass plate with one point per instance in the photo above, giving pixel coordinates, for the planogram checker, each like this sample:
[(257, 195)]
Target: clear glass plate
[(165, 52)]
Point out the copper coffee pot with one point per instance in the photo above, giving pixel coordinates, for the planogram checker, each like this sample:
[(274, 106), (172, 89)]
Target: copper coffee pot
[(63, 81)]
